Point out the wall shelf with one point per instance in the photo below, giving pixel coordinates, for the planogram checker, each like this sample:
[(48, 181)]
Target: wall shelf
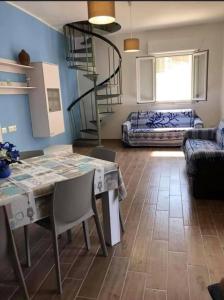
[(12, 87), (13, 64), (15, 89)]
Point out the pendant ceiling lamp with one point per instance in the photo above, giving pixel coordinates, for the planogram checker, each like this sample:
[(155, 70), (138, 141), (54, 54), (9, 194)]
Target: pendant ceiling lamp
[(101, 12), (131, 44)]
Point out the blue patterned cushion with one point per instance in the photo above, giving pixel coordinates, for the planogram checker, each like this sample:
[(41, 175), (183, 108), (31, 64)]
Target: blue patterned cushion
[(162, 119), (171, 118), (220, 134), (139, 119)]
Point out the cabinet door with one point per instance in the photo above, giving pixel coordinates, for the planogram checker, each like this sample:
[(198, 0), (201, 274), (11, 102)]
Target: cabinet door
[(56, 122), (51, 75), (53, 97)]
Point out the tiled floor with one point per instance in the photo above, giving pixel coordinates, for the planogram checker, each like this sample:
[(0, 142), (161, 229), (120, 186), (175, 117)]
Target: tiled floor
[(172, 247)]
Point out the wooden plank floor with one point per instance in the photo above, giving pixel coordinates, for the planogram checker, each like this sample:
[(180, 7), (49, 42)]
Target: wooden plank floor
[(172, 247)]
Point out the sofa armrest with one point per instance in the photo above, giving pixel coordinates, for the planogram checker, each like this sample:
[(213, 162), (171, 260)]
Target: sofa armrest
[(200, 134), (198, 123), (126, 126)]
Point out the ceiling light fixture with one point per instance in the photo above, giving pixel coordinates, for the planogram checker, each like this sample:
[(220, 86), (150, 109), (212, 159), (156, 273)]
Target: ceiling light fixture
[(131, 44), (101, 12)]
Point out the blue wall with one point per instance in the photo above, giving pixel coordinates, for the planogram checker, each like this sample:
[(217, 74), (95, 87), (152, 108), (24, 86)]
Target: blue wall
[(19, 30)]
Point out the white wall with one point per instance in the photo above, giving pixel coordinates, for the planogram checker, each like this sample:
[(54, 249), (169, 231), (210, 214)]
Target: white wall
[(222, 83), (191, 37)]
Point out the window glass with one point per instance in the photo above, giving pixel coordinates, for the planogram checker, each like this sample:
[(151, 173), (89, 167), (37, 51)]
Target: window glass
[(53, 100), (174, 78)]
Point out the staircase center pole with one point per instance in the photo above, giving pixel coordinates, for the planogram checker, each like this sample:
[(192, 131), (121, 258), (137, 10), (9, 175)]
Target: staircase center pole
[(97, 115)]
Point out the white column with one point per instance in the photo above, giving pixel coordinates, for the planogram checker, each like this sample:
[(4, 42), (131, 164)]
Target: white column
[(110, 205)]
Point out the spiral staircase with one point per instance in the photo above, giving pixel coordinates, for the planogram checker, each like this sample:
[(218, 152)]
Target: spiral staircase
[(89, 111)]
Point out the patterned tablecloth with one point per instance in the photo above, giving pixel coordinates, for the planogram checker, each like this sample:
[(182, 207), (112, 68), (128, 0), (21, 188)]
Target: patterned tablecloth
[(27, 191)]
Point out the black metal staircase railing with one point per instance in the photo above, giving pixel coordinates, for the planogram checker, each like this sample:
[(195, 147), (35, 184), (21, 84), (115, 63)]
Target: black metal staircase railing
[(88, 111)]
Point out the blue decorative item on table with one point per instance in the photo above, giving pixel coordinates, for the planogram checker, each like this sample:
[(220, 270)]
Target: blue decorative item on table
[(8, 155)]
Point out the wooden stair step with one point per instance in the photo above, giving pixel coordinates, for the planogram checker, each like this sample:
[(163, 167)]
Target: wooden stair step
[(106, 96), (106, 85), (92, 77), (89, 131), (94, 122), (83, 68), (82, 50), (88, 41), (84, 59), (105, 114), (109, 104)]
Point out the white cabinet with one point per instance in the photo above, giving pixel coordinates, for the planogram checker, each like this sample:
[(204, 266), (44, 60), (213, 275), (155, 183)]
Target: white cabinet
[(45, 100)]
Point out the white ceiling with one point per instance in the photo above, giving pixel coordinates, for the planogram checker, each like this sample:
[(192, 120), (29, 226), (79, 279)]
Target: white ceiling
[(146, 14)]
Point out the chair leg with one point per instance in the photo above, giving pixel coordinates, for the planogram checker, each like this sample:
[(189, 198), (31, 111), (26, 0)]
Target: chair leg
[(17, 266), (27, 245), (100, 234), (69, 235), (85, 227), (57, 262), (121, 221)]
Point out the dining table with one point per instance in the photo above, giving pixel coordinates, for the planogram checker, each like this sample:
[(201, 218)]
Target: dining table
[(25, 193)]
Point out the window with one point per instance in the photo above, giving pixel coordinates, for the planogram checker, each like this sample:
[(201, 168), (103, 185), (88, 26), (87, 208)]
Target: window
[(172, 77)]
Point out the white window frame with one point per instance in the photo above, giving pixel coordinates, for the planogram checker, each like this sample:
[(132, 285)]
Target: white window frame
[(153, 57), (205, 52), (138, 61)]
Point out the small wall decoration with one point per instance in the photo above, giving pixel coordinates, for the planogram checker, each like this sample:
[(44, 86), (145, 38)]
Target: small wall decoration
[(24, 58)]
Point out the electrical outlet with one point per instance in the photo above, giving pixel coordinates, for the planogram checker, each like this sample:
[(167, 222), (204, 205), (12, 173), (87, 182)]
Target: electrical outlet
[(4, 130), (12, 128)]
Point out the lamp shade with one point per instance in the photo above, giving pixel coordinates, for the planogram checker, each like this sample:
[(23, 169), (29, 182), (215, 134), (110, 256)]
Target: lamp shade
[(101, 12), (131, 45)]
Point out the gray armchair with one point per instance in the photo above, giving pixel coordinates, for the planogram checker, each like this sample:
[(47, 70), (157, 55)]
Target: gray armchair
[(204, 153)]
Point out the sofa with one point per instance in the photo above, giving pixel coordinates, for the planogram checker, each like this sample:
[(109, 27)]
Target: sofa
[(204, 153), (159, 127)]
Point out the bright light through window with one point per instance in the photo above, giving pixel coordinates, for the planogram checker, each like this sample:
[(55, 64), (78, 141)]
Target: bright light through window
[(173, 78)]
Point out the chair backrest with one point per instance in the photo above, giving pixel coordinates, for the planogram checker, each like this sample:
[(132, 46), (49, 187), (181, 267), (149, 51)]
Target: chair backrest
[(73, 201), (103, 153), (29, 154)]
